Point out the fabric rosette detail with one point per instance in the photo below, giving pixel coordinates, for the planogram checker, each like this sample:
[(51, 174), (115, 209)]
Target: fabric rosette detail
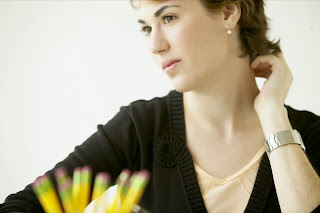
[(167, 150)]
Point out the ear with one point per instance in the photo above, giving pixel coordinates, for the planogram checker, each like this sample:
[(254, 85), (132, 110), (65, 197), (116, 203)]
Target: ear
[(232, 13)]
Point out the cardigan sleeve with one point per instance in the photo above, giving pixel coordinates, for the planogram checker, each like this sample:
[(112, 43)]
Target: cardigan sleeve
[(311, 138), (113, 147)]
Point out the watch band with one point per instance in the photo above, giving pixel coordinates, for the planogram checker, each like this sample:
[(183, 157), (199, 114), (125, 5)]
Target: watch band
[(283, 138)]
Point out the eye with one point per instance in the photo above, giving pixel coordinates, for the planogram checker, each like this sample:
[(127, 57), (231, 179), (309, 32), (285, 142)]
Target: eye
[(167, 19), (146, 30)]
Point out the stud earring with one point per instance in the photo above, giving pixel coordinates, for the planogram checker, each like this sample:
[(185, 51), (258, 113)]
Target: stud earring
[(229, 32)]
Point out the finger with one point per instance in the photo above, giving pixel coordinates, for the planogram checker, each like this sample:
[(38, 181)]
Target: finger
[(281, 56), (270, 59), (263, 66)]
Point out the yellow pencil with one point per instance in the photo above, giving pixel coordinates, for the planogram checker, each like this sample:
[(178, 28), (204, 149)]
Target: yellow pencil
[(135, 192), (53, 197), (75, 195), (40, 193), (124, 190), (123, 177), (101, 184), (64, 189), (65, 193), (62, 176), (145, 177), (76, 189), (85, 187)]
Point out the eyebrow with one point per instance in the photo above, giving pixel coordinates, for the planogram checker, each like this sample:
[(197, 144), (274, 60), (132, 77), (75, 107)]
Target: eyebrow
[(158, 12)]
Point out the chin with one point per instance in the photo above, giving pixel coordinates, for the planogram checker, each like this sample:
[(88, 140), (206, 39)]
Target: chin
[(181, 86)]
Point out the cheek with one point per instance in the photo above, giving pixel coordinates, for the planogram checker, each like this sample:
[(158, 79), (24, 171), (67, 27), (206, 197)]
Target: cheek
[(189, 43), (209, 47), (198, 43), (182, 38)]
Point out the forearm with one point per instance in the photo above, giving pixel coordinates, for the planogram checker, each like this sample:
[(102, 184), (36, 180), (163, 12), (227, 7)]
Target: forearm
[(297, 183)]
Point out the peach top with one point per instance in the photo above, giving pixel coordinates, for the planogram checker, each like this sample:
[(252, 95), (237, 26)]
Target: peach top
[(230, 194)]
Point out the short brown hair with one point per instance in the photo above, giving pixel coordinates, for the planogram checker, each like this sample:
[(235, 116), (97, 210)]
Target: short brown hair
[(253, 25)]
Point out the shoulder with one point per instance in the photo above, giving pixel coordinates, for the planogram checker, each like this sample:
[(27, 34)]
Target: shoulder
[(152, 104), (148, 109), (142, 113)]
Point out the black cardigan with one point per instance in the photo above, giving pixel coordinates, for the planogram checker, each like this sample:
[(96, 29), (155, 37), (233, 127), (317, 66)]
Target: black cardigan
[(151, 135)]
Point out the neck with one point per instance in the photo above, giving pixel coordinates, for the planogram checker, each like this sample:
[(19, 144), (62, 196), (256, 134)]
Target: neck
[(227, 104)]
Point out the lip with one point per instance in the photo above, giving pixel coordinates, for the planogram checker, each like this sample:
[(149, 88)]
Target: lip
[(171, 68), (169, 62)]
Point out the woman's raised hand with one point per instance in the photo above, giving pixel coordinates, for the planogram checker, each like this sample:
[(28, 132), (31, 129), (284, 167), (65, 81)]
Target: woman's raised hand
[(279, 78)]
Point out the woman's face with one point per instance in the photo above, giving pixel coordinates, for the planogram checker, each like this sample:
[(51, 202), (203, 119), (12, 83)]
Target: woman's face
[(186, 32)]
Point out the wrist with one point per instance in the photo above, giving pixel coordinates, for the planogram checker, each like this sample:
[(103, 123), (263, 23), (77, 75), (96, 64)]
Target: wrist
[(274, 119), (282, 138), (265, 106)]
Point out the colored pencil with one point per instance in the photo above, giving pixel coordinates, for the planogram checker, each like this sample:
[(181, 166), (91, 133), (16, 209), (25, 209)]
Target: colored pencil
[(101, 184), (123, 177), (74, 193), (37, 188), (76, 189), (53, 197), (85, 188), (65, 193), (135, 192)]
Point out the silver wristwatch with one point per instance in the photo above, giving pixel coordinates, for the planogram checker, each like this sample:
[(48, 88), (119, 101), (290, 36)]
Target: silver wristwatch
[(283, 138)]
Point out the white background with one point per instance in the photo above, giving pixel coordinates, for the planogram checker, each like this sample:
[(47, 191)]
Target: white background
[(67, 66)]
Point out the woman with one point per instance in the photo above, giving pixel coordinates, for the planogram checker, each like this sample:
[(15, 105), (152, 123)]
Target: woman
[(204, 142)]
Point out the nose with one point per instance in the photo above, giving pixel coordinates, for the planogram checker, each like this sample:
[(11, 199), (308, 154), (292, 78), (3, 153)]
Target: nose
[(158, 42)]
